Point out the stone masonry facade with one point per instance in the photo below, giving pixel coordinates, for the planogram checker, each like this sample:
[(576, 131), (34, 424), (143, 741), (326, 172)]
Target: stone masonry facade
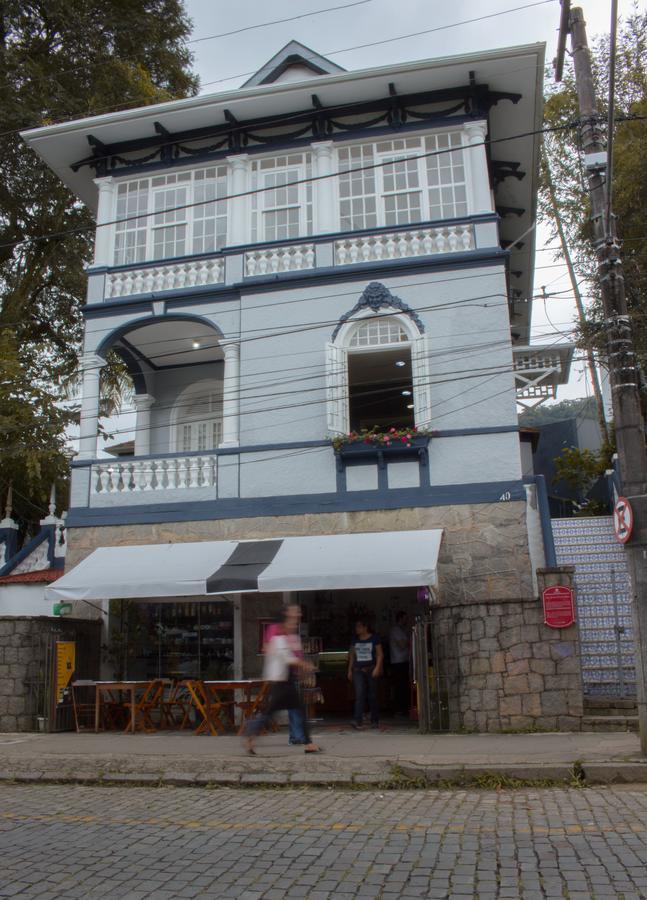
[(506, 670), (503, 669), (24, 679)]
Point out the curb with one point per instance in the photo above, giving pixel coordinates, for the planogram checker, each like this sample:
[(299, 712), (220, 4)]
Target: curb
[(402, 777)]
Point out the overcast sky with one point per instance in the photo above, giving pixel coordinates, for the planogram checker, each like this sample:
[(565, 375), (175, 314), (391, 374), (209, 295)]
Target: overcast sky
[(226, 62)]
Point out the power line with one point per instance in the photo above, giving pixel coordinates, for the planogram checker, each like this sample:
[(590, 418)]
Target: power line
[(135, 103), (261, 190)]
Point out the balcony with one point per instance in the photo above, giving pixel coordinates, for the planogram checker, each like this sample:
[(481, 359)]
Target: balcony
[(169, 477), (232, 266)]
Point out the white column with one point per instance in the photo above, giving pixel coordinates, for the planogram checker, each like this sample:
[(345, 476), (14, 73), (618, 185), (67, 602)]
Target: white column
[(143, 403), (238, 228), (481, 195), (103, 243), (91, 367), (325, 214), (231, 394)]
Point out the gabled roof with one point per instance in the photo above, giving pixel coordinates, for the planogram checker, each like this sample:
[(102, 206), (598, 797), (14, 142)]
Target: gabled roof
[(295, 56), (43, 576)]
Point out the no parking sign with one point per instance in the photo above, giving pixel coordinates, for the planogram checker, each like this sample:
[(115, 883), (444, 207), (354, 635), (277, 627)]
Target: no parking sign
[(623, 519)]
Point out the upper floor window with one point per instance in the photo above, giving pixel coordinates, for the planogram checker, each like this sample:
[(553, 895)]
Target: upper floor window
[(171, 215), (281, 206), (405, 185)]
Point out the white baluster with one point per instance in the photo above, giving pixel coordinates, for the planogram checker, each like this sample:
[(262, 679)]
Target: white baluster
[(107, 291), (310, 257), (390, 247), (138, 283), (274, 261), (128, 283), (149, 280), (342, 253), (403, 244), (466, 237), (182, 470), (169, 278), (147, 475), (194, 471), (191, 274), (354, 250), (263, 262), (297, 259), (96, 479), (218, 271), (286, 259), (117, 473), (250, 264), (441, 243), (453, 240), (104, 479), (180, 276), (159, 279), (415, 243), (137, 477), (427, 242)]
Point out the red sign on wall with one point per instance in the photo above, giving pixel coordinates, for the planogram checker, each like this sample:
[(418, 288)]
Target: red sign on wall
[(559, 606)]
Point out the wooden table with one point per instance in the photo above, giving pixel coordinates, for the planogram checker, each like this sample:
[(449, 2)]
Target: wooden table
[(150, 693)]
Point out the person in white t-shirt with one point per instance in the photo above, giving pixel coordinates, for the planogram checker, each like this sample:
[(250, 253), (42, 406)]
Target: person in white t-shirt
[(399, 665)]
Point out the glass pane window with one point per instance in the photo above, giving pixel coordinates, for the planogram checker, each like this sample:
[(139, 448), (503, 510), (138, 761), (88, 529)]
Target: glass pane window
[(376, 332), (357, 190), (282, 202), (446, 176), (189, 215), (210, 211), (130, 234)]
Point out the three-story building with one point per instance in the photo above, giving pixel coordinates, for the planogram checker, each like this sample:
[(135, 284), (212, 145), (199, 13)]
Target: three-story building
[(282, 267)]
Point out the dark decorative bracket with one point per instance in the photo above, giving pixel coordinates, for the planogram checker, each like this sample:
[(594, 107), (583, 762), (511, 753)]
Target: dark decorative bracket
[(375, 297)]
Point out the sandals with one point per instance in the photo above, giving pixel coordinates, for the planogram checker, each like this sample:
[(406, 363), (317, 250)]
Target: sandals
[(311, 748)]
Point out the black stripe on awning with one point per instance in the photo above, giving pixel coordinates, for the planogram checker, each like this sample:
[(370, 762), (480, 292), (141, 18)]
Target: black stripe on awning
[(241, 571)]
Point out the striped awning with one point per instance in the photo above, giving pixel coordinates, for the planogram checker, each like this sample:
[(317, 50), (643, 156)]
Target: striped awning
[(208, 568)]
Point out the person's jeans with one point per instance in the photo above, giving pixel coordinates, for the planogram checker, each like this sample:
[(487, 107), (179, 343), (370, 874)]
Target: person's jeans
[(296, 729), (365, 687)]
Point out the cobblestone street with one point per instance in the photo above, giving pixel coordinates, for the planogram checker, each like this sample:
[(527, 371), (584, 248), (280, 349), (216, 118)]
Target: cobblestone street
[(70, 841)]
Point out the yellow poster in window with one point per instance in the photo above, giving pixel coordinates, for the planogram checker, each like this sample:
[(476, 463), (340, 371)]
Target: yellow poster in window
[(65, 665)]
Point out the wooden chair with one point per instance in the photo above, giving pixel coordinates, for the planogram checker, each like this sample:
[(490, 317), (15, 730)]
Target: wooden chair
[(146, 704), (84, 705), (175, 709), (209, 705), (253, 705)]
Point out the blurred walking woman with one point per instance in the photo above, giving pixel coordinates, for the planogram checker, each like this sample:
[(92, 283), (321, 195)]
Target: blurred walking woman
[(282, 668)]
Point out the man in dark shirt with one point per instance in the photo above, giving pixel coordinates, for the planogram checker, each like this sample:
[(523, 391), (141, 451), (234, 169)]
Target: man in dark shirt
[(365, 665)]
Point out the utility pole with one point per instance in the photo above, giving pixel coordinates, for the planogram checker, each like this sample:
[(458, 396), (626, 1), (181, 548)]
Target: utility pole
[(623, 369), (581, 313)]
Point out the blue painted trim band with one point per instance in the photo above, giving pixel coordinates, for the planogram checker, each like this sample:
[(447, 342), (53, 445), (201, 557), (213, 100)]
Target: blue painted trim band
[(546, 525), (222, 451), (289, 445), (324, 275), (330, 236), (44, 535), (432, 124), (299, 504)]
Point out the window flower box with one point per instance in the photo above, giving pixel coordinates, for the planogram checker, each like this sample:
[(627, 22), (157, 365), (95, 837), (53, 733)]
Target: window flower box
[(381, 447)]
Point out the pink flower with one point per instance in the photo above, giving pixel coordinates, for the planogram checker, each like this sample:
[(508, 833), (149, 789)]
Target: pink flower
[(392, 431), (408, 437)]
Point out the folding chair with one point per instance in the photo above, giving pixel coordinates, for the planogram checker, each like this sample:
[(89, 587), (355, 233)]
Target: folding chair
[(147, 702), (209, 706)]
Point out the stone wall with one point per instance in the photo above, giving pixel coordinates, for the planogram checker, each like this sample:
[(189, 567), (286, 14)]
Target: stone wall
[(23, 657), (506, 670)]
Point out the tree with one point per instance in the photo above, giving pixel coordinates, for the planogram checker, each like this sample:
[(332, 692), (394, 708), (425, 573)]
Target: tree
[(61, 59), (629, 175)]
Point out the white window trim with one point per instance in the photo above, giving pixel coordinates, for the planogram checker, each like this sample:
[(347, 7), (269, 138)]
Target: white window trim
[(338, 351), (302, 202)]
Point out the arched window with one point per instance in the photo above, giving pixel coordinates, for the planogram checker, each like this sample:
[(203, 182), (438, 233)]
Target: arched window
[(378, 374), (198, 418)]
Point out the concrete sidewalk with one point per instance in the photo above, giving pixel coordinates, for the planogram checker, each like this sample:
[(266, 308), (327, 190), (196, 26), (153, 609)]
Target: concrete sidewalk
[(391, 757)]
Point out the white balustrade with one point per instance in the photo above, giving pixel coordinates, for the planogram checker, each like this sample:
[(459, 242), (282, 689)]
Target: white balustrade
[(534, 362), (150, 475), (403, 244), (279, 259), (165, 278)]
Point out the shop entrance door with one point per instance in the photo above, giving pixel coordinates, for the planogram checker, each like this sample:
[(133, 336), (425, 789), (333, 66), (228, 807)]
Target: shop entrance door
[(431, 677)]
